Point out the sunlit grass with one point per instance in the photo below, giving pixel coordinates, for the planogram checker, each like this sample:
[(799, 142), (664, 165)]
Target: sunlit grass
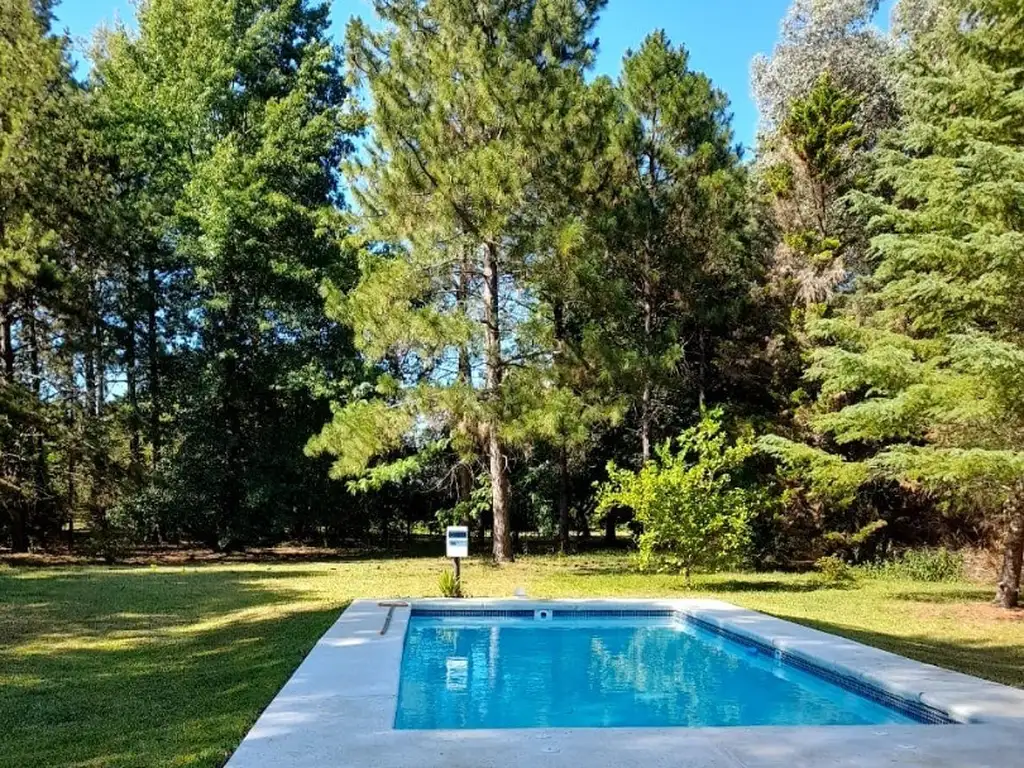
[(169, 666)]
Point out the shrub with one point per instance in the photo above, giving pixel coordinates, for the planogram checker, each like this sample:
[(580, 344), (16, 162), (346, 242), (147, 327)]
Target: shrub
[(833, 571), (449, 585), (111, 542), (692, 511), (933, 565)]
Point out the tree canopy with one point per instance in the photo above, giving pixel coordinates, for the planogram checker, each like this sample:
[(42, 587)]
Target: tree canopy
[(259, 284)]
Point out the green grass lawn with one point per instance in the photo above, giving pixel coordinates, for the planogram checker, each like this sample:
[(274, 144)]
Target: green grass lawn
[(169, 666)]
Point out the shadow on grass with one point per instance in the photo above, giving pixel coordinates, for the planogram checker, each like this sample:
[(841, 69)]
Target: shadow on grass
[(951, 594), (702, 581), (143, 668), (1000, 663), (418, 547), (757, 585)]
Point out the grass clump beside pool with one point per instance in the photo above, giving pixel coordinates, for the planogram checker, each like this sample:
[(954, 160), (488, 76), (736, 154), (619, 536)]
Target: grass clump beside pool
[(169, 666)]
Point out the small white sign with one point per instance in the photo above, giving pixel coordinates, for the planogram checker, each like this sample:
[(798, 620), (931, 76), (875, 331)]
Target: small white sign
[(457, 541)]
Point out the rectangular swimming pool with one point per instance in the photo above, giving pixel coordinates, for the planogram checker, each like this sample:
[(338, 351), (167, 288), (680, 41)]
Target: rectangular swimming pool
[(504, 670)]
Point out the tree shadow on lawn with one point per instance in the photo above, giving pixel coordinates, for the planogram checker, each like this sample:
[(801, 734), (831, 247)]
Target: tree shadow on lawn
[(953, 593), (756, 585), (702, 582), (999, 663), (144, 557), (137, 668)]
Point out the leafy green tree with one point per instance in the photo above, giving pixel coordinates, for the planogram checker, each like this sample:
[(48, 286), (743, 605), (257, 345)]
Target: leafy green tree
[(466, 99), (824, 96), (567, 401), (695, 514), (920, 380), (836, 36)]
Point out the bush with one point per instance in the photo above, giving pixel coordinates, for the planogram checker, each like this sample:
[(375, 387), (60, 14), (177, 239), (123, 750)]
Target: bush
[(694, 514), (449, 585), (932, 565), (110, 542), (833, 571)]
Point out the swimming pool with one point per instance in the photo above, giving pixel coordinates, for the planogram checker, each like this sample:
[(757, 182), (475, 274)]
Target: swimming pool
[(641, 669), (340, 707)]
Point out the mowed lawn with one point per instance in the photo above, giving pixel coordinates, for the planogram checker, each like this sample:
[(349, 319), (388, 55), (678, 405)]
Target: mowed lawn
[(169, 666)]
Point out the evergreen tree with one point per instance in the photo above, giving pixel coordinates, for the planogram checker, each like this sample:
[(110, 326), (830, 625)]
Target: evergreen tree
[(568, 401), (835, 36), (49, 193), (230, 130), (466, 106), (817, 160), (675, 277), (920, 381), (824, 97)]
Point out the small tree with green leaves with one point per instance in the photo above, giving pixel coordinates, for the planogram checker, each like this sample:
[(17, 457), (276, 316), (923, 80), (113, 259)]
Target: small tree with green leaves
[(694, 513)]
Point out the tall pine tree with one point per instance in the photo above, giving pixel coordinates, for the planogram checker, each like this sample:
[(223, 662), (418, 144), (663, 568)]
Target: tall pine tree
[(674, 277), (466, 105)]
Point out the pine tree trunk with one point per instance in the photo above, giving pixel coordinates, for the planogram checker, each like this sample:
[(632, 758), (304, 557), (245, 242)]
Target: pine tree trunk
[(101, 372), (89, 368), (702, 375), (6, 341), (41, 481), (132, 391), (231, 488), (464, 486), (497, 459), (463, 472), (72, 494), (152, 353), (99, 401), (646, 396), (563, 500), (1008, 593), (558, 311), (645, 424)]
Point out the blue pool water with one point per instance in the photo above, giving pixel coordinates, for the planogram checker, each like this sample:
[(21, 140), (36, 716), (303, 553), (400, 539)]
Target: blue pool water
[(520, 673)]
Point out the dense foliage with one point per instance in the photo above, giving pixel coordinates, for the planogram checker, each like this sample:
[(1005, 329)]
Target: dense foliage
[(257, 287)]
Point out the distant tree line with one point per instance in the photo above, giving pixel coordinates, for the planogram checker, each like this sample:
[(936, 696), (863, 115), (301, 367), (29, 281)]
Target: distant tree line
[(256, 286)]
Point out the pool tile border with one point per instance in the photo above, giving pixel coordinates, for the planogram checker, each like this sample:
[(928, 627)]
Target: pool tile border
[(916, 710), (484, 613)]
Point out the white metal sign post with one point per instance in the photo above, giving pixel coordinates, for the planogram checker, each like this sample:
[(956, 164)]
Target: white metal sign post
[(457, 545)]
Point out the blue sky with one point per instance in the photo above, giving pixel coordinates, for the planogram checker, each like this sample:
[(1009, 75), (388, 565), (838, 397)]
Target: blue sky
[(722, 36)]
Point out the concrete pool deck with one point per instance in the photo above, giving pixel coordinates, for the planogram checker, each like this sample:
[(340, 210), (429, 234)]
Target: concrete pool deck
[(338, 709)]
